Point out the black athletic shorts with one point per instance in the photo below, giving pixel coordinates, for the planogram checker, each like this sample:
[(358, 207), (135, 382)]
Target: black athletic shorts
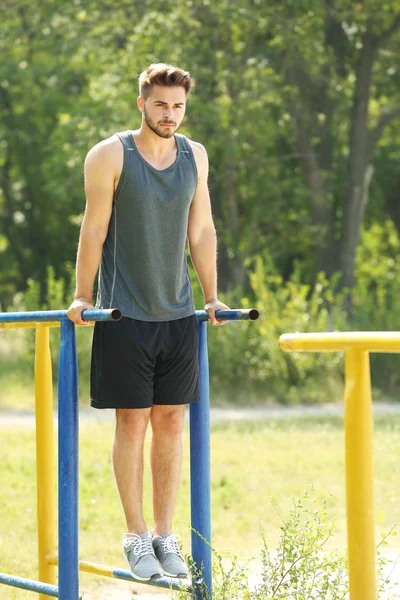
[(136, 364)]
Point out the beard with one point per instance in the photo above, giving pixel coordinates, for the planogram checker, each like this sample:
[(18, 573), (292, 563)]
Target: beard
[(159, 129)]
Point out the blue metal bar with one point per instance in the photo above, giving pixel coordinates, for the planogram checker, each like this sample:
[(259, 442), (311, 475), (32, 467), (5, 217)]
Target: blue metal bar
[(29, 584), (163, 582), (200, 473), (68, 574), (107, 571), (42, 316), (113, 314), (236, 314)]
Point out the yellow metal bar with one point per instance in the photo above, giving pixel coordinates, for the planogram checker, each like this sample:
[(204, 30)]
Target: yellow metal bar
[(373, 341), (96, 569), (46, 509), (86, 566), (35, 325), (359, 476), (29, 325)]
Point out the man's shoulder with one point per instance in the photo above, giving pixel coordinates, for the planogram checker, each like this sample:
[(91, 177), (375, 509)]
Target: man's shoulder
[(109, 149), (107, 145)]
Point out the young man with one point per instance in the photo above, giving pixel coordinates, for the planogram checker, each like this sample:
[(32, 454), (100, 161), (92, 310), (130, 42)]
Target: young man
[(146, 193)]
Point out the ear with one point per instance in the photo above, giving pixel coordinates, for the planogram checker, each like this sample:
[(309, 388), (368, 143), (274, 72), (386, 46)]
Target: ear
[(140, 103)]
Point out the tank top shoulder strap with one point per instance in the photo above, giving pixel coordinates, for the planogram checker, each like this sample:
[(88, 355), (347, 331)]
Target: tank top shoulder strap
[(186, 150), (126, 139), (183, 143)]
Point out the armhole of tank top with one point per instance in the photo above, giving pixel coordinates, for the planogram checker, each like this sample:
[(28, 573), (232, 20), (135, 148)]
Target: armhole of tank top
[(188, 148), (122, 176)]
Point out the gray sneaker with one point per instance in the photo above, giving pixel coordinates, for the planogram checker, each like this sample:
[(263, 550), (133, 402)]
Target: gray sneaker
[(170, 557), (139, 554)]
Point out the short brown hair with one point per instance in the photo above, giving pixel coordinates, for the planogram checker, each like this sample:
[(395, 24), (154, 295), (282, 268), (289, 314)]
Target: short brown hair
[(163, 74)]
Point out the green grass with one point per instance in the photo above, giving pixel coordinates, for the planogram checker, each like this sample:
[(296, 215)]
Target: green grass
[(251, 462)]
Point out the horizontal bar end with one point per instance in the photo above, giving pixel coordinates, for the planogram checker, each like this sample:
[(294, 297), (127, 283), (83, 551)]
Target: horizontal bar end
[(116, 314), (253, 314), (286, 342)]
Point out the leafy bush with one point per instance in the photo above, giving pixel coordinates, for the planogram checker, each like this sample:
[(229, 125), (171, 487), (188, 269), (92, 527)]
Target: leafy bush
[(246, 362), (376, 296), (249, 352)]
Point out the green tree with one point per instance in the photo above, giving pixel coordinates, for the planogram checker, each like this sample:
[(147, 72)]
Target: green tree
[(338, 60), (295, 102)]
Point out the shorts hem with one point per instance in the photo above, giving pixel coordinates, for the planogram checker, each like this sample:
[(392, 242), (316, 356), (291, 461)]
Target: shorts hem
[(110, 405), (179, 403)]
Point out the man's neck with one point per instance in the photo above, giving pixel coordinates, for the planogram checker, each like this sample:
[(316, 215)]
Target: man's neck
[(153, 144)]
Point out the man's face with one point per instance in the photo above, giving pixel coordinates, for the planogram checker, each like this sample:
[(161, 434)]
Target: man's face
[(164, 109)]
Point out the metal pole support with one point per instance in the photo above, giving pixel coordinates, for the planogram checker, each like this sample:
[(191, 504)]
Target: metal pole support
[(200, 475), (359, 476), (45, 475), (68, 570)]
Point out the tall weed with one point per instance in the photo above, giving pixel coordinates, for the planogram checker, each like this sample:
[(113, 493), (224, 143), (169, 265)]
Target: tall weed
[(300, 568)]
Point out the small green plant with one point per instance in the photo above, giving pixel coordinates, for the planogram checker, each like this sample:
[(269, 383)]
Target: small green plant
[(300, 568), (228, 583)]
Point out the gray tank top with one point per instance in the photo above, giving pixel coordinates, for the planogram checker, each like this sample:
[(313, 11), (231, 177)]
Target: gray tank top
[(143, 270)]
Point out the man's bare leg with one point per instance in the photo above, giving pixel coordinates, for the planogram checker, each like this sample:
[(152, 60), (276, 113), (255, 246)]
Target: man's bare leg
[(166, 459), (129, 438)]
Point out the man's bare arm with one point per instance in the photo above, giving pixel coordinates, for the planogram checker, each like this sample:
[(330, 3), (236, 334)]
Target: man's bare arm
[(99, 189), (203, 238)]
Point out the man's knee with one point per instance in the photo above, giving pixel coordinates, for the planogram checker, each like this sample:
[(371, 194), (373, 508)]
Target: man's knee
[(132, 421), (167, 419)]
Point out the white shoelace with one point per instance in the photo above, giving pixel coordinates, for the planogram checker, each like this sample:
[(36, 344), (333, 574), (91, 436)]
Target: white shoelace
[(139, 545), (170, 544)]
